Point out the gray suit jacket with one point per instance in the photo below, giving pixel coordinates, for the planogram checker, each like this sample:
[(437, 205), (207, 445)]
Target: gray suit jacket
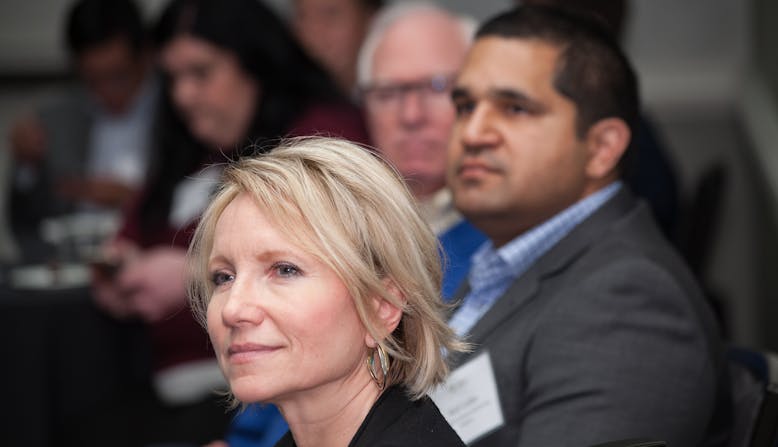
[(605, 337)]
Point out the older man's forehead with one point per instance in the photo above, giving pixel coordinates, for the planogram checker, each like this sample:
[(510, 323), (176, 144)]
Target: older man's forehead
[(419, 46)]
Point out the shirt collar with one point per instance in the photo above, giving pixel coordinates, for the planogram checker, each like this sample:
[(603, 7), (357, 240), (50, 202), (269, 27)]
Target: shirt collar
[(521, 252)]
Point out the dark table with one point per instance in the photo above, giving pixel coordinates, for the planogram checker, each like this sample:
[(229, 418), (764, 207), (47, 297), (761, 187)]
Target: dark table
[(61, 357)]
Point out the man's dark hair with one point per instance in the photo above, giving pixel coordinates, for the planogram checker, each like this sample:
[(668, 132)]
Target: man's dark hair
[(94, 22), (592, 71), (372, 5), (612, 12)]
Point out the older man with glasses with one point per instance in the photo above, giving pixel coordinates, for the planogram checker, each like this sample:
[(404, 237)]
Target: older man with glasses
[(405, 71)]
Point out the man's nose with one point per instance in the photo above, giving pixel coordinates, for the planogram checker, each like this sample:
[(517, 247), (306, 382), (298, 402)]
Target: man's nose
[(478, 129), (412, 108)]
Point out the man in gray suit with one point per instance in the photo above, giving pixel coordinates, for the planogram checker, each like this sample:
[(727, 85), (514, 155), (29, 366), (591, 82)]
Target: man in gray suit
[(89, 149), (595, 330)]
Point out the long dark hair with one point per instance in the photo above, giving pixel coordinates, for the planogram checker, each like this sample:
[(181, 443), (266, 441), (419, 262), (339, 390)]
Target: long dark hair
[(290, 81)]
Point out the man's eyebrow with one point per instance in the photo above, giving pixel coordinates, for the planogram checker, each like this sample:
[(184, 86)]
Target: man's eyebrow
[(495, 93), (502, 95), (509, 94)]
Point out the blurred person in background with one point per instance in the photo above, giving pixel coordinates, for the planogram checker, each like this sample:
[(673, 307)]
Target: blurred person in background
[(234, 77), (331, 31), (406, 69), (90, 148)]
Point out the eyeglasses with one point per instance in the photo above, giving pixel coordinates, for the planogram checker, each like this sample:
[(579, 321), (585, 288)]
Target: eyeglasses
[(391, 95)]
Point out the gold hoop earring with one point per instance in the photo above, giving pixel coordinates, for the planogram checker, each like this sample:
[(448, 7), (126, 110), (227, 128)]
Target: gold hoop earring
[(383, 360)]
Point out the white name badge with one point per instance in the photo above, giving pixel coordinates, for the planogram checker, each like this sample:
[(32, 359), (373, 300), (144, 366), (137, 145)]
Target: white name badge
[(468, 399)]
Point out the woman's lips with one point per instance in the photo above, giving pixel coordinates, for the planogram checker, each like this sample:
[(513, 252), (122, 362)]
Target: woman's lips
[(246, 352)]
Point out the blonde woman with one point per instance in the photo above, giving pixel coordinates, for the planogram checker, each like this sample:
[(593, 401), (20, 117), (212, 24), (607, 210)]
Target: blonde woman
[(319, 285)]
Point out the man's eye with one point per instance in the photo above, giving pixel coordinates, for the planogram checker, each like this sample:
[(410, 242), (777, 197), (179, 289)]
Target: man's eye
[(514, 109), (386, 94), (464, 107), (220, 278), (286, 270)]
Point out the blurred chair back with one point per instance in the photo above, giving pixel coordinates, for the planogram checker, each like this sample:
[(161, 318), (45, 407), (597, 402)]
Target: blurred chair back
[(633, 443), (754, 397), (765, 432)]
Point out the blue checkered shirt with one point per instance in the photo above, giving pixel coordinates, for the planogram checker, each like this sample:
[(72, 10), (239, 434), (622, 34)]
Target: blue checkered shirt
[(494, 271)]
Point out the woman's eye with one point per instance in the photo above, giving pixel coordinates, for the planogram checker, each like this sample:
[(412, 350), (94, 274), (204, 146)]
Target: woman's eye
[(286, 270), (220, 278)]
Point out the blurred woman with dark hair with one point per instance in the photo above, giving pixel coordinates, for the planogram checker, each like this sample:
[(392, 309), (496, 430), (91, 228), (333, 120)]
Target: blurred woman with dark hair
[(235, 78)]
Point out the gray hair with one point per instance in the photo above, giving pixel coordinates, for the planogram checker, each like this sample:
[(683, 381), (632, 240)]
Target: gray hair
[(392, 14)]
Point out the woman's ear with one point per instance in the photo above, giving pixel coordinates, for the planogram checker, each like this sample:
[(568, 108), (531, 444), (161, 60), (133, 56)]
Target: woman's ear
[(606, 140), (387, 313)]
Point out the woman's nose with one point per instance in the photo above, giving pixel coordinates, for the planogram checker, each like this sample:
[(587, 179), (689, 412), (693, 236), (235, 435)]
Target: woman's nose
[(242, 305)]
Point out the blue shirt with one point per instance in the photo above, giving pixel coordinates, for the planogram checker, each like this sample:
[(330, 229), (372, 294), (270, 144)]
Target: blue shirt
[(458, 244), (494, 270), (256, 426)]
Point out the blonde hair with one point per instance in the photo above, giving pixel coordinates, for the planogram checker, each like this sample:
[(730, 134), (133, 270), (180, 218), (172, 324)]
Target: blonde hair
[(350, 209)]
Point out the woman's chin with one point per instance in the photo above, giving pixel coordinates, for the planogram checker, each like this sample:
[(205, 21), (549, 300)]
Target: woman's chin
[(248, 391)]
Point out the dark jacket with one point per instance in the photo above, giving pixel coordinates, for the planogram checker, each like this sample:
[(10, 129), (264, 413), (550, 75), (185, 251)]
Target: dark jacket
[(607, 336), (396, 421)]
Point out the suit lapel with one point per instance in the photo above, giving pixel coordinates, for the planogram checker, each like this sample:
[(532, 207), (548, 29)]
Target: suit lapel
[(556, 260), (519, 293)]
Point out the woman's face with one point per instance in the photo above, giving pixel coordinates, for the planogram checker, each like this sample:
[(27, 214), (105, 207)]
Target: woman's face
[(282, 323), (216, 98)]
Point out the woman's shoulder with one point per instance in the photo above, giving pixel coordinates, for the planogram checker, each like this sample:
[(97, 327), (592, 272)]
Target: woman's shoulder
[(396, 420)]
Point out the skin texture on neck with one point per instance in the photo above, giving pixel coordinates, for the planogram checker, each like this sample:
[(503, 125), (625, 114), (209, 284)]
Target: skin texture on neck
[(330, 419)]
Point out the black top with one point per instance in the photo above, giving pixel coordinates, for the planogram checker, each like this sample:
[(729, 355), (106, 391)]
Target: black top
[(396, 421)]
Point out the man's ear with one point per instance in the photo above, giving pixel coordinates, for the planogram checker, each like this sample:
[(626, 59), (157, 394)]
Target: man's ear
[(606, 141), (387, 314)]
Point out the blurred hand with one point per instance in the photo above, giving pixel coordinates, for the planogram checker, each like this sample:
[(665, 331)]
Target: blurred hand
[(106, 290), (28, 139), (100, 191), (217, 444), (153, 283)]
